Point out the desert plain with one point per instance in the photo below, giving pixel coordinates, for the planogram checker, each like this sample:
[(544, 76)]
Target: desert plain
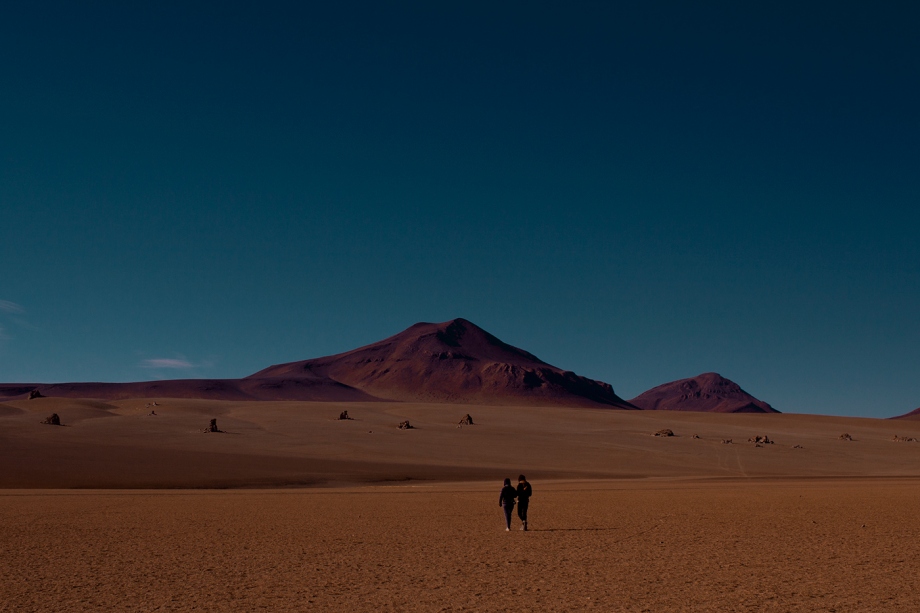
[(291, 509)]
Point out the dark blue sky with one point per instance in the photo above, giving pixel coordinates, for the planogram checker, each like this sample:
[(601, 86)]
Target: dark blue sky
[(638, 194)]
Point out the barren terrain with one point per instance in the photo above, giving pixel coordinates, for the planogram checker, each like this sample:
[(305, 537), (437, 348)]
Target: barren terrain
[(356, 514)]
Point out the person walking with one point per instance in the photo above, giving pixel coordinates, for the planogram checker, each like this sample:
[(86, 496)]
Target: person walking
[(506, 502), (524, 492)]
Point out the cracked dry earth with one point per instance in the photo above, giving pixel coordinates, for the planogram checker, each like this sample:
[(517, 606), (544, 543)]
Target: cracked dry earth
[(667, 545)]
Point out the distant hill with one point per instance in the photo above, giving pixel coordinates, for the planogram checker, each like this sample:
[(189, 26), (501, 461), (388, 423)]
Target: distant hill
[(915, 414), (455, 361), (304, 388), (710, 392)]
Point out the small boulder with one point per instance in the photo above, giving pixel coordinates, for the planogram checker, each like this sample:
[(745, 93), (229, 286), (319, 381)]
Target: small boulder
[(52, 420), (726, 441), (35, 394), (845, 437), (765, 440), (467, 420), (212, 427), (343, 416), (405, 425), (665, 432), (904, 439)]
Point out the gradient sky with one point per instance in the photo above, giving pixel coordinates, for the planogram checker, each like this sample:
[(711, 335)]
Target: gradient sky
[(637, 193)]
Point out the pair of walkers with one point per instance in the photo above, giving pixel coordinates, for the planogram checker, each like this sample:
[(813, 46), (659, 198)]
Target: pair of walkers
[(507, 497)]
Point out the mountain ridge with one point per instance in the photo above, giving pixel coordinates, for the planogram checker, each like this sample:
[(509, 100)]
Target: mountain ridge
[(453, 361), (708, 392), (449, 362)]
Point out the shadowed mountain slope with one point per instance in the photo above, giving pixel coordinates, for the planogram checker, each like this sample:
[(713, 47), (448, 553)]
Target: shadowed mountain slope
[(709, 392), (454, 361)]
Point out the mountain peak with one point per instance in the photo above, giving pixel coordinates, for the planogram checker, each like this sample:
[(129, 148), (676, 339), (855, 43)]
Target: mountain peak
[(709, 392), (452, 361)]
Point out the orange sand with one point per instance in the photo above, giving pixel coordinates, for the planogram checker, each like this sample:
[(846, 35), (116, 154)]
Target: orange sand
[(623, 521), (786, 545)]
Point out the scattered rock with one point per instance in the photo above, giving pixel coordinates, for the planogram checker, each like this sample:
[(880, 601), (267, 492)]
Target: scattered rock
[(665, 432), (52, 420), (35, 394), (845, 437), (344, 415), (797, 447), (696, 436), (760, 439), (212, 427), (405, 425), (152, 413), (726, 441), (904, 439), (467, 420)]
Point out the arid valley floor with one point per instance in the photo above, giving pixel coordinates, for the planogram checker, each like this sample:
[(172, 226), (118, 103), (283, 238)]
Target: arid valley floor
[(290, 509)]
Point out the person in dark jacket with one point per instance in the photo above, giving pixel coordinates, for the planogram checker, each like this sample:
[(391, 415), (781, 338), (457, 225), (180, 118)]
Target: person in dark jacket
[(524, 492), (506, 502)]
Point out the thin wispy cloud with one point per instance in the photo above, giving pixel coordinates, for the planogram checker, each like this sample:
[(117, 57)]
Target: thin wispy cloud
[(8, 306), (177, 364)]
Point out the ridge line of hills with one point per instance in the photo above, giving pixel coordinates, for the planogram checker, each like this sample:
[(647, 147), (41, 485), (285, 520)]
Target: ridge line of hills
[(449, 362)]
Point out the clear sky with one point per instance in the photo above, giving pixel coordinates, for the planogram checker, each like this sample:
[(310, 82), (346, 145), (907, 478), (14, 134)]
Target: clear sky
[(637, 193)]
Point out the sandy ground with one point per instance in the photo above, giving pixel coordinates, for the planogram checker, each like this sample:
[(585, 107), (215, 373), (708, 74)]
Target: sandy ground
[(761, 545), (119, 445), (408, 520)]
